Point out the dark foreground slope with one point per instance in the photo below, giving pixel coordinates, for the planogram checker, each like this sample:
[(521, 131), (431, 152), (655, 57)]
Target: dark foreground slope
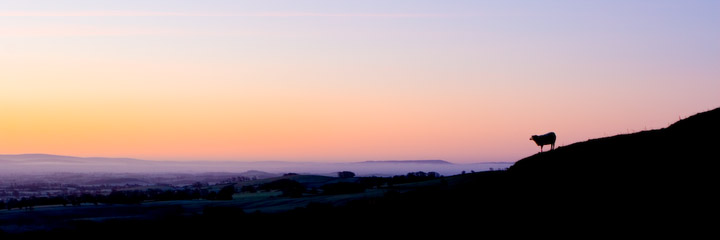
[(650, 182), (663, 176), (684, 146), (671, 163)]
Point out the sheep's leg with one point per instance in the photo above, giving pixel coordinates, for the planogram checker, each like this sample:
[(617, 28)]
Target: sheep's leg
[(541, 148), (552, 147)]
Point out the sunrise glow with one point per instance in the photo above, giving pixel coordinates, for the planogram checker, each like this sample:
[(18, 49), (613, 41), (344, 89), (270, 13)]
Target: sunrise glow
[(463, 81)]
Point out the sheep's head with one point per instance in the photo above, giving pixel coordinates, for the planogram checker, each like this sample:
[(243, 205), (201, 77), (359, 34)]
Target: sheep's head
[(533, 137)]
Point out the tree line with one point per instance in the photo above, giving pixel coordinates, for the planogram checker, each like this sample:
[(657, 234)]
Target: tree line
[(292, 188), (288, 187), (121, 197)]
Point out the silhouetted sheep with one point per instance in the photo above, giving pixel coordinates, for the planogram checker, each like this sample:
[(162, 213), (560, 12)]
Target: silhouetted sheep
[(548, 138)]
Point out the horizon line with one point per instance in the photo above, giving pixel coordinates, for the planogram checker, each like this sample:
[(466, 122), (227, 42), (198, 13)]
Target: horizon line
[(258, 161)]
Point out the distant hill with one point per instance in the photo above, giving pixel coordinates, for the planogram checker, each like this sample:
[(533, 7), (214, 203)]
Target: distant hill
[(44, 163), (59, 159), (411, 161)]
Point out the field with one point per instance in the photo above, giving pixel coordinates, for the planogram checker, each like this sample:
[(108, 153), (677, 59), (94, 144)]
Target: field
[(52, 217)]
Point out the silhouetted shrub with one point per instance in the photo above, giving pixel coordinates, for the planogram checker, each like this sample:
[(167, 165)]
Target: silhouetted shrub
[(289, 188), (346, 174), (433, 175), (122, 197), (413, 177), (211, 196), (226, 192), (12, 203), (419, 174)]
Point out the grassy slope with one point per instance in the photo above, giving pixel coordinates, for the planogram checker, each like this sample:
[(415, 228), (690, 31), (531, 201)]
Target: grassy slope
[(674, 158), (655, 177)]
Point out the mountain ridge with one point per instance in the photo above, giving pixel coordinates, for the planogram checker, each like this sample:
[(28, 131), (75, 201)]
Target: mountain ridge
[(408, 161), (45, 163), (44, 156)]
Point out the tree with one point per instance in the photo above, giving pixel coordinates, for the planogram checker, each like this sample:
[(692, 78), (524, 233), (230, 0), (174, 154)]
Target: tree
[(211, 196), (12, 203), (290, 188), (226, 192), (346, 174), (121, 197)]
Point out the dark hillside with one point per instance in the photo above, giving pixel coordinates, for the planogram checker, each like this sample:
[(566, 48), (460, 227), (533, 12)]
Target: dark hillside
[(685, 146), (659, 176)]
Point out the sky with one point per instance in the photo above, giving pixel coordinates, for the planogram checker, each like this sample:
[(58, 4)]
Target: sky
[(346, 80)]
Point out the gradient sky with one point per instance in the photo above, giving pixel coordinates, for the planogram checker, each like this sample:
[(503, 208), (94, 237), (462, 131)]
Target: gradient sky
[(346, 80)]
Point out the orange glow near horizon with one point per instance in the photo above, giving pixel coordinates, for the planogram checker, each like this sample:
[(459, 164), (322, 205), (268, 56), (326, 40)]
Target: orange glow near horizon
[(460, 82)]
